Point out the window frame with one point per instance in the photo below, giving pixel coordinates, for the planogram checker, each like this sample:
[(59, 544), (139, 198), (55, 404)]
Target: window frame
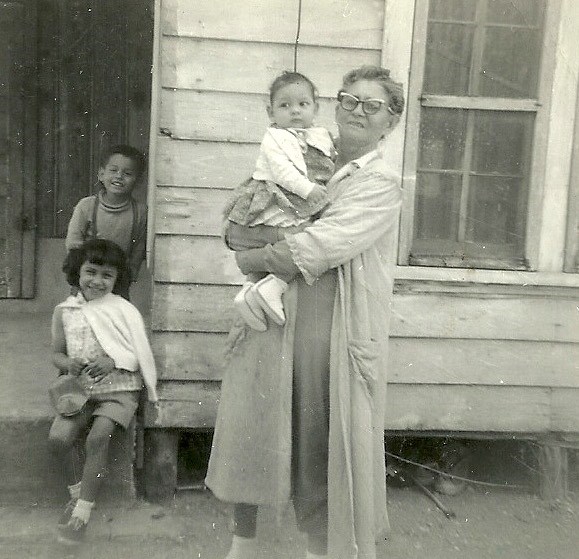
[(571, 263), (540, 106)]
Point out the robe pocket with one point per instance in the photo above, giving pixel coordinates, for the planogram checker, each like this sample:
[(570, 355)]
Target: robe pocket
[(364, 356)]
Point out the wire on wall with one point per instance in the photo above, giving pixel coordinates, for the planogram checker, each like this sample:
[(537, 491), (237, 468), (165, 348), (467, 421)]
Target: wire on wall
[(297, 40)]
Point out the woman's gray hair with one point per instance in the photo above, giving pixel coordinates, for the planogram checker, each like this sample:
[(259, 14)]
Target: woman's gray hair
[(393, 89)]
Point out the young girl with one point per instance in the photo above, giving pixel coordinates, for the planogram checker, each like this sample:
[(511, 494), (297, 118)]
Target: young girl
[(99, 337), (287, 188)]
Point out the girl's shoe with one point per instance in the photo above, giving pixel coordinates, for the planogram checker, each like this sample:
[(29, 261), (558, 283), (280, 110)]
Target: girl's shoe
[(268, 291), (72, 533)]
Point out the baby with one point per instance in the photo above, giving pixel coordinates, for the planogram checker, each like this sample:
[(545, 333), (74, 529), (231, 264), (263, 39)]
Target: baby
[(287, 189)]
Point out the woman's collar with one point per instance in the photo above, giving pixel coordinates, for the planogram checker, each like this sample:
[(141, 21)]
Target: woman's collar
[(365, 159), (351, 166)]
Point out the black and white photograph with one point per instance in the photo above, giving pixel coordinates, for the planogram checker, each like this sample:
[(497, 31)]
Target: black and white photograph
[(289, 279)]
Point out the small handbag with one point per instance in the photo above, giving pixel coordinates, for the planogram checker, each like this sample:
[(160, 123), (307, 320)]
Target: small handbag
[(67, 395)]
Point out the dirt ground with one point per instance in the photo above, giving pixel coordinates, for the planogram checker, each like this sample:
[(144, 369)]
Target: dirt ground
[(507, 522), (488, 524)]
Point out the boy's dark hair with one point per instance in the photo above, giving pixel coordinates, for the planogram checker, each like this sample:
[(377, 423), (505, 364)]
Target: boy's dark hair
[(287, 78), (127, 151), (381, 76), (101, 252)]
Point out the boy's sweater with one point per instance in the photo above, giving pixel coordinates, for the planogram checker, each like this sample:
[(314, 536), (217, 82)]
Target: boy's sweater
[(114, 224)]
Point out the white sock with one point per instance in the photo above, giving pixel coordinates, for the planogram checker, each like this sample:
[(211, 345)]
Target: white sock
[(74, 490), (241, 548), (82, 510), (310, 555)]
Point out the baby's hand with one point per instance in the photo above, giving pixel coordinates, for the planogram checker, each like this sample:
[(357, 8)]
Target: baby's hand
[(318, 194), (100, 367), (76, 366)]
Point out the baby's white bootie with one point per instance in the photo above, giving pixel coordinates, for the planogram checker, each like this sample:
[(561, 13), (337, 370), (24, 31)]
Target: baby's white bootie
[(247, 306), (268, 292)]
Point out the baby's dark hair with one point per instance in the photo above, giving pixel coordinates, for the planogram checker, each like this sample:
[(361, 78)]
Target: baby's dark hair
[(380, 75), (127, 151), (287, 78), (101, 252)]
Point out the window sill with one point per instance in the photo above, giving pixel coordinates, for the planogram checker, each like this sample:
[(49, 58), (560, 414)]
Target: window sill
[(422, 278)]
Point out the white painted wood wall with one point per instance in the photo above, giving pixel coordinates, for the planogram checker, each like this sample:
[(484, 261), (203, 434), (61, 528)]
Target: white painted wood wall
[(471, 350)]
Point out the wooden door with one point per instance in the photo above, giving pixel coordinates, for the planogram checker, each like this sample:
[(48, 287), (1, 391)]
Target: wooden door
[(17, 152)]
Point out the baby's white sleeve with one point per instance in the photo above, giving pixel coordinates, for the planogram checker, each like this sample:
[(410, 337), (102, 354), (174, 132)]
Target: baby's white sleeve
[(281, 169)]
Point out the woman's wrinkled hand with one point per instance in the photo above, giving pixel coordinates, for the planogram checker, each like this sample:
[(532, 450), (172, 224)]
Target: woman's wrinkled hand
[(99, 368)]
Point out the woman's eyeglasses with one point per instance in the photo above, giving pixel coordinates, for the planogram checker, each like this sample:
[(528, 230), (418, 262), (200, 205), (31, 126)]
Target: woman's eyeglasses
[(369, 106)]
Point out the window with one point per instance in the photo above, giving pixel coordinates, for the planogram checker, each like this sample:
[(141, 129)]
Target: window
[(476, 78)]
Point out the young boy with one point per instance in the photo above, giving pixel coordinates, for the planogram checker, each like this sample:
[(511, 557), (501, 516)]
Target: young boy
[(113, 213)]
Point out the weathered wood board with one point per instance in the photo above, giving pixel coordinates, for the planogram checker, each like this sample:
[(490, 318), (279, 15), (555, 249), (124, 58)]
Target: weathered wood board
[(199, 356), (410, 407)]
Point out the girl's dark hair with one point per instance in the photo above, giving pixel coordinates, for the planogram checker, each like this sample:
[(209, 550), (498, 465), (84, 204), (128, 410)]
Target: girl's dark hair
[(393, 89), (127, 151), (101, 252), (287, 78)]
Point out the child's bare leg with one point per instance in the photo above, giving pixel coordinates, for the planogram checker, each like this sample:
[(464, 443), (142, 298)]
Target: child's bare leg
[(63, 443), (96, 450)]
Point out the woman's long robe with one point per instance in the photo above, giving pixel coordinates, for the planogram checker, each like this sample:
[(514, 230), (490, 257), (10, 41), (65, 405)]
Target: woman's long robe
[(251, 456)]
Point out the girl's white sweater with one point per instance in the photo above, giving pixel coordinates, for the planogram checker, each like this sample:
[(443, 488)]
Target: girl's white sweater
[(120, 330)]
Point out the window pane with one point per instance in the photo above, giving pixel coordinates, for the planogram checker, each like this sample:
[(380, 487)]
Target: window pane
[(472, 184), (502, 142), (517, 12), (488, 48), (494, 213), (463, 10), (448, 55), (436, 215), (515, 75), (441, 138)]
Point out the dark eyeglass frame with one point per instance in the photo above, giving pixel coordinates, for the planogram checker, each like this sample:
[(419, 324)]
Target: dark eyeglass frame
[(368, 109)]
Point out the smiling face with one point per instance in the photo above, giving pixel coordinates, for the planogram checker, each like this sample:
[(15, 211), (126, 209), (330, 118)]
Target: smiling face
[(96, 280), (359, 131), (119, 177), (293, 106)]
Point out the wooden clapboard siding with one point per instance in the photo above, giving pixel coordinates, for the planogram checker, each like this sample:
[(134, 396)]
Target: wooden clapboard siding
[(486, 357), (198, 356), (208, 308), (329, 23), (184, 67), (258, 20), (204, 164), (187, 259), (191, 405), (236, 66), (411, 407), (189, 355), (189, 211), (192, 308), (343, 23), (199, 115)]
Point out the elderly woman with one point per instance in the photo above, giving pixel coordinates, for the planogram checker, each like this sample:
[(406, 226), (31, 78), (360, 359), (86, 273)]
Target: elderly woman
[(301, 415)]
